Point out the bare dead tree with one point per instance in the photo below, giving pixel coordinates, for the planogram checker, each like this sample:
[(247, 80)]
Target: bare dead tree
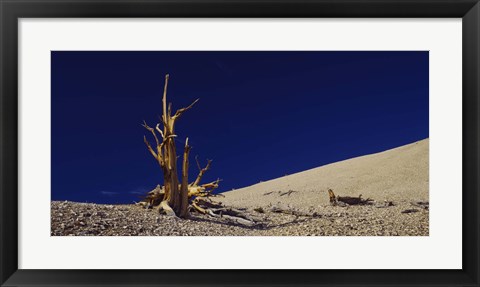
[(175, 195), (177, 198)]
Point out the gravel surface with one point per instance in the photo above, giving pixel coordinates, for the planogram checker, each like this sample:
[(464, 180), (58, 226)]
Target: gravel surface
[(397, 181), (86, 219)]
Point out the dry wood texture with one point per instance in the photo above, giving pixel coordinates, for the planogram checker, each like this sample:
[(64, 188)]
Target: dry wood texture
[(178, 197), (174, 194), (349, 200)]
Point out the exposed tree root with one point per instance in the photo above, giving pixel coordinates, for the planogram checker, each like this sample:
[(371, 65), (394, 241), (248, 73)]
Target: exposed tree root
[(166, 209), (219, 211), (199, 201)]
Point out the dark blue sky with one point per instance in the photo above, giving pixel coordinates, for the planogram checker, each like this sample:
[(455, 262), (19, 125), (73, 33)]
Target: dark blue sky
[(261, 115)]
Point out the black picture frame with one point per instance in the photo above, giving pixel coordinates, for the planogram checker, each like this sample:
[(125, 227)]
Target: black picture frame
[(12, 10)]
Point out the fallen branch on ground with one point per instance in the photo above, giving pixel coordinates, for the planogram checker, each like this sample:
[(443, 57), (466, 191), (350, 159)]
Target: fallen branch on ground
[(410, 210), (421, 204), (292, 211), (288, 192), (347, 200)]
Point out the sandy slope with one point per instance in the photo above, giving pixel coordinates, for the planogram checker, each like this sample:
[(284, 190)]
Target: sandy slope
[(399, 175)]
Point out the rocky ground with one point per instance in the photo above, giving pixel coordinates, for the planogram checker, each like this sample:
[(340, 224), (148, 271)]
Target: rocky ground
[(399, 176), (86, 219)]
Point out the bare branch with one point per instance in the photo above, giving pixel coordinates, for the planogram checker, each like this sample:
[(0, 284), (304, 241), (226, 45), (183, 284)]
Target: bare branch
[(202, 172), (159, 130), (150, 147), (198, 163), (150, 129), (164, 100), (162, 120), (179, 112), (213, 184), (146, 126)]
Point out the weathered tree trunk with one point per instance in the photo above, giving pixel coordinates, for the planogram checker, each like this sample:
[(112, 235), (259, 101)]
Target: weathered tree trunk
[(170, 154), (166, 155), (184, 186)]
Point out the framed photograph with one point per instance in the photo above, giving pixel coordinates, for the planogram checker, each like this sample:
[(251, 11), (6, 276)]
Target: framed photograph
[(239, 143)]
